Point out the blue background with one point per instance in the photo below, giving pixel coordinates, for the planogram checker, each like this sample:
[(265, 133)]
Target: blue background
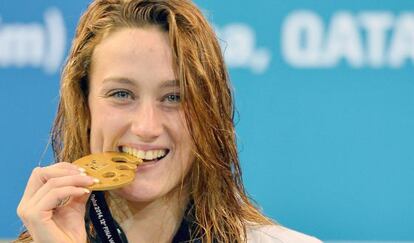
[(325, 150)]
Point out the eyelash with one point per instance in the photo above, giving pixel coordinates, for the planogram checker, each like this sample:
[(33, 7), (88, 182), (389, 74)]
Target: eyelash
[(116, 94), (126, 94), (176, 98)]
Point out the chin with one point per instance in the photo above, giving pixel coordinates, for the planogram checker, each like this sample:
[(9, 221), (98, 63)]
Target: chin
[(135, 193)]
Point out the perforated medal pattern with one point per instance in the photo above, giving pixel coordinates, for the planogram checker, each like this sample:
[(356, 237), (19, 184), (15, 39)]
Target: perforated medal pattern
[(113, 169)]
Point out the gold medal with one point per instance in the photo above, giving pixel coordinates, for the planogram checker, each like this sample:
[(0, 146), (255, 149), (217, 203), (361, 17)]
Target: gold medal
[(113, 169)]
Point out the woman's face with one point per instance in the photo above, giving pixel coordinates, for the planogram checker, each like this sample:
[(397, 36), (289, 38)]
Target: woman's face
[(134, 102)]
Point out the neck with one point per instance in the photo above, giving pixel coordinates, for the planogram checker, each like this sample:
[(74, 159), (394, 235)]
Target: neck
[(154, 221)]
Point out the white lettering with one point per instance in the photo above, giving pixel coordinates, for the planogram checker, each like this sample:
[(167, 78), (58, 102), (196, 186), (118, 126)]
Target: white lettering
[(402, 43), (21, 45), (302, 39), (57, 40), (343, 41), (359, 40), (376, 25), (34, 45), (239, 48)]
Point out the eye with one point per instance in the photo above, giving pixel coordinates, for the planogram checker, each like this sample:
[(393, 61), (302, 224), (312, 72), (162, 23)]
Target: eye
[(173, 98), (120, 94)]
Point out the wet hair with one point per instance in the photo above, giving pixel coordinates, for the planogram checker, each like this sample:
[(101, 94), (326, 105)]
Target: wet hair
[(222, 209)]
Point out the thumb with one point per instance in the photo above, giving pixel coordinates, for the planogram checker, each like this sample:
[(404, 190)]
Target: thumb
[(79, 203)]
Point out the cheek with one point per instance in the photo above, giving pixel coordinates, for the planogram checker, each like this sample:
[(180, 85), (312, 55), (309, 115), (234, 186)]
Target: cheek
[(184, 142), (105, 125)]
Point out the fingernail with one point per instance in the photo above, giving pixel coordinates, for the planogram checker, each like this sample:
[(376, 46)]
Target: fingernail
[(96, 180), (82, 170), (83, 174), (87, 191)]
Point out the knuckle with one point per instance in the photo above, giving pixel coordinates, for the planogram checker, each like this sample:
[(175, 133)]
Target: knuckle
[(52, 182), (59, 164), (20, 211), (23, 214), (37, 170), (54, 192), (64, 163)]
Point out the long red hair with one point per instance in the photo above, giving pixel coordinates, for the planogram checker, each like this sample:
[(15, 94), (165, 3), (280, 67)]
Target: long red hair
[(221, 207)]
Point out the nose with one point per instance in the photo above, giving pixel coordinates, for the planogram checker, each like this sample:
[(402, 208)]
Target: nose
[(146, 122)]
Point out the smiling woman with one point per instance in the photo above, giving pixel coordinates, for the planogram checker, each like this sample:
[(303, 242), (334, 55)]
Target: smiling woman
[(135, 106), (146, 77)]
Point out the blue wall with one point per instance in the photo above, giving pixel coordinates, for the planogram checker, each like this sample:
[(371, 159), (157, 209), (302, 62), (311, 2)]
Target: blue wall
[(325, 98)]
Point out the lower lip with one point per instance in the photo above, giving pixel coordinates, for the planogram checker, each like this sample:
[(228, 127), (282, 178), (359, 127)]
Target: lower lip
[(147, 165)]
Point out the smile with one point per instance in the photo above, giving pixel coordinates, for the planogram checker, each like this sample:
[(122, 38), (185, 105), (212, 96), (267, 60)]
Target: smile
[(146, 156)]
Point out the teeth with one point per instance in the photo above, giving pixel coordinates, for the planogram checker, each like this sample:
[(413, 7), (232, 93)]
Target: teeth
[(147, 155), (140, 154)]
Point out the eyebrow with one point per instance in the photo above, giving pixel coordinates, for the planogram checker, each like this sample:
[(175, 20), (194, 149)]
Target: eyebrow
[(164, 84), (170, 83), (118, 80)]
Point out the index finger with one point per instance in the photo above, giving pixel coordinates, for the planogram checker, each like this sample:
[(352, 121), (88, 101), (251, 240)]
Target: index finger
[(40, 175)]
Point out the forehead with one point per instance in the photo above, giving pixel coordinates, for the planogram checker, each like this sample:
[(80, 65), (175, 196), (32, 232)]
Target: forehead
[(138, 52)]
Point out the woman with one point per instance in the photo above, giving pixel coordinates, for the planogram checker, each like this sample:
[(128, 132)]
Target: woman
[(147, 77)]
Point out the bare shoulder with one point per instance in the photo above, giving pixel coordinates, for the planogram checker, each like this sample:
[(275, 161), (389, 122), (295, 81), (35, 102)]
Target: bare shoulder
[(277, 233)]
